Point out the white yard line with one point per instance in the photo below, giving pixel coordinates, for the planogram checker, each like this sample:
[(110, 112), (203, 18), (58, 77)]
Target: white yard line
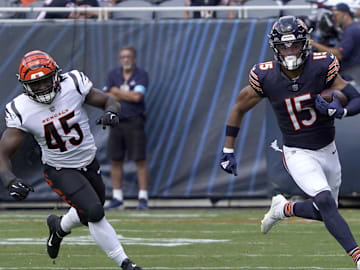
[(187, 268), (191, 256)]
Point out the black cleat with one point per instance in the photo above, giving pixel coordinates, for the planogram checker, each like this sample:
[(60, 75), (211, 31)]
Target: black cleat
[(54, 240), (129, 265)]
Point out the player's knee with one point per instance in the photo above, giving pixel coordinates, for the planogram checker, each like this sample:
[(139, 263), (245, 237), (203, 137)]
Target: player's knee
[(325, 202), (96, 213)]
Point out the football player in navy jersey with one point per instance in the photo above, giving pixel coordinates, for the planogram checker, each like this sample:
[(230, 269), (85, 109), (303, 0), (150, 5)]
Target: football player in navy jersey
[(52, 110), (292, 84)]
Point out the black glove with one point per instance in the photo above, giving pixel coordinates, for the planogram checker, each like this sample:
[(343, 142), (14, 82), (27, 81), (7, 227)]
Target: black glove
[(108, 119), (228, 163), (19, 190)]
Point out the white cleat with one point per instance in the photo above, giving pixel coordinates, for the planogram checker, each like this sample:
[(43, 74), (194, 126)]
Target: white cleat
[(275, 214), (358, 265)]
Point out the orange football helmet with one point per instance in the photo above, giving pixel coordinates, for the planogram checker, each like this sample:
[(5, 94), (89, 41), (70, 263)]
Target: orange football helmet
[(39, 75)]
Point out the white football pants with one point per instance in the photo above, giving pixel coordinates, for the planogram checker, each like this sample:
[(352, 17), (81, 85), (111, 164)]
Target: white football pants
[(314, 171)]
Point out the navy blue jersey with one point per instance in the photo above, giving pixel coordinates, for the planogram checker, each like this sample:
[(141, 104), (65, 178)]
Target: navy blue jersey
[(138, 82), (293, 101)]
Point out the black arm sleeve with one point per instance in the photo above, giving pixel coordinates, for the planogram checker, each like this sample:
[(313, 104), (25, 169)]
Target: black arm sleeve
[(353, 106)]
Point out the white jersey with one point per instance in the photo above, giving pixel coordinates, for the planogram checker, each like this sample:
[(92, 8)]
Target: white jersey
[(61, 128)]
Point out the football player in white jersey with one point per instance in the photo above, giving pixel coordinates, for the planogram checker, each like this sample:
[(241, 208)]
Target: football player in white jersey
[(51, 109)]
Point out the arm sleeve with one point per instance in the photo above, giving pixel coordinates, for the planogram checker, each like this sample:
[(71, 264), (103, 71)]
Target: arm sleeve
[(13, 118), (332, 70), (353, 106), (82, 82), (255, 81)]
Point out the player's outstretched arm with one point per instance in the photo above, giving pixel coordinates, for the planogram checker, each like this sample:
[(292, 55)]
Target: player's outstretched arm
[(246, 99), (11, 140), (101, 100), (111, 107)]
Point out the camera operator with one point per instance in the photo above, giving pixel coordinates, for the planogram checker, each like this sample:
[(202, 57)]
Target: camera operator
[(348, 49)]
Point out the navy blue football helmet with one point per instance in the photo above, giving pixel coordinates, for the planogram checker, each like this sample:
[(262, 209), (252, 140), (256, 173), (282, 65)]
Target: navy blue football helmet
[(288, 32)]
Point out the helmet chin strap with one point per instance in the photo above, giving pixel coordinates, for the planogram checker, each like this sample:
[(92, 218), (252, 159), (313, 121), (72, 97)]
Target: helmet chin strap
[(291, 62)]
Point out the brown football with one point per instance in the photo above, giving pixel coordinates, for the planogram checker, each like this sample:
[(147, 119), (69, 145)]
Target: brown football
[(327, 94)]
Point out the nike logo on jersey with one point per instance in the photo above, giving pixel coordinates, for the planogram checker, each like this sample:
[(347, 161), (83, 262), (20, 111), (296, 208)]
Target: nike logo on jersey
[(133, 265), (224, 164), (333, 152), (331, 112), (50, 239)]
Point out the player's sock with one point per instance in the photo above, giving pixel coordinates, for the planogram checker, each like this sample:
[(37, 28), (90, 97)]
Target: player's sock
[(70, 220), (355, 254), (105, 236), (289, 209), (143, 194), (334, 222), (118, 194), (306, 209)]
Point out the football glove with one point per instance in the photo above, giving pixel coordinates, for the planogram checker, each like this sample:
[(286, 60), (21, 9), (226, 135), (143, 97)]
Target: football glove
[(19, 190), (228, 163), (333, 109), (108, 119)]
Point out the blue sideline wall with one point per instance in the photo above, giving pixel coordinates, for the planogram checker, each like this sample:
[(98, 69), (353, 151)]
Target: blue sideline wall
[(196, 69)]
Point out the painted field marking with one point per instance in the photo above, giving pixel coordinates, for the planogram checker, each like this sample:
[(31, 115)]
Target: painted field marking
[(193, 256), (88, 240), (186, 268)]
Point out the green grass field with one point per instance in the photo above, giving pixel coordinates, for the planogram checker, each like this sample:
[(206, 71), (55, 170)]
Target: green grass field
[(179, 239)]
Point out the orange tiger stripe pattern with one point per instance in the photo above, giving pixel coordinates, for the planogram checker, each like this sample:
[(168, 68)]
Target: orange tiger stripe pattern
[(355, 254), (35, 65), (289, 209), (254, 83), (333, 70)]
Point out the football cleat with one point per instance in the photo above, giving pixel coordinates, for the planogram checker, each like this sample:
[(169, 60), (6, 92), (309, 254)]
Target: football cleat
[(358, 264), (275, 214), (54, 240), (129, 265), (142, 205)]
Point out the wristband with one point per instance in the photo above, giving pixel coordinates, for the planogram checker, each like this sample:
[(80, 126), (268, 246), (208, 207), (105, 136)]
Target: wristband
[(345, 113), (228, 150), (7, 177), (232, 131)]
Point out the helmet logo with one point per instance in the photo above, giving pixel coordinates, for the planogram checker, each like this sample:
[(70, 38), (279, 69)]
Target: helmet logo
[(37, 75), (290, 37)]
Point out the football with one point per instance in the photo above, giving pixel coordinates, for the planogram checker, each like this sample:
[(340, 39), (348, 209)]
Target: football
[(327, 94)]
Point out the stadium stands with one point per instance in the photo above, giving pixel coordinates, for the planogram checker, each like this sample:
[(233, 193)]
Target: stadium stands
[(141, 15), (271, 13), (297, 12), (170, 14)]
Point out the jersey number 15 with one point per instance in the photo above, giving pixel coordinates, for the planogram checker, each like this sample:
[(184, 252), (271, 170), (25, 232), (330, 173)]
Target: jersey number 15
[(297, 108)]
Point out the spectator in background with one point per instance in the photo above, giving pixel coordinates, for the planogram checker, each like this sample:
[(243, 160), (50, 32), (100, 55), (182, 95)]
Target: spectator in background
[(128, 85), (68, 15), (208, 13), (348, 49), (356, 12)]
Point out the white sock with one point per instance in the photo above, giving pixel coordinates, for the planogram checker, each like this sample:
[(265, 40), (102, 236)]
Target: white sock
[(70, 220), (118, 194), (143, 194), (105, 236)]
